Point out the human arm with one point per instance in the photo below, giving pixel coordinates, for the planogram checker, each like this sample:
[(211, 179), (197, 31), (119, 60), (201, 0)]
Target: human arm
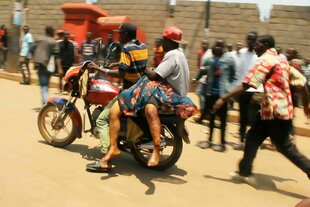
[(305, 99), (298, 80), (115, 73), (59, 66), (152, 75), (237, 91)]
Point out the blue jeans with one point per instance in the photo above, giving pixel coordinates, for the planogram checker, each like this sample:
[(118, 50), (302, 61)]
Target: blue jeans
[(44, 79)]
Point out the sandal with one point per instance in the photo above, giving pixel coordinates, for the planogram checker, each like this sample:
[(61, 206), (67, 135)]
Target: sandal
[(97, 167)]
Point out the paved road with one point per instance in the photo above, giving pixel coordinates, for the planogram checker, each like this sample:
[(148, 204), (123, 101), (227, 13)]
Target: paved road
[(35, 174)]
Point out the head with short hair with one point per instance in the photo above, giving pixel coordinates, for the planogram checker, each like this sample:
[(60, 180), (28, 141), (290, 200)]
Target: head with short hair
[(204, 45), (239, 45), (25, 29), (263, 43), (291, 53), (49, 31), (251, 40)]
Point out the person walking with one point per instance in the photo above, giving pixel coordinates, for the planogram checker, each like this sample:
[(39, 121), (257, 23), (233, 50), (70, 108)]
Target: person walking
[(276, 113), (220, 69), (25, 56), (45, 48)]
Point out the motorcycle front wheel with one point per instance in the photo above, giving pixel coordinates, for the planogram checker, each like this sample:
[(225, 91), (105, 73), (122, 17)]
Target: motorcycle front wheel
[(60, 134), (170, 150)]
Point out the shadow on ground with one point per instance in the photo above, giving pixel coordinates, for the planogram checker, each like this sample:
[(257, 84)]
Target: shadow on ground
[(125, 165), (266, 183)]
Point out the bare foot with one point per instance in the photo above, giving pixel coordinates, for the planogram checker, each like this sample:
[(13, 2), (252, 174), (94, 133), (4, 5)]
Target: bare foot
[(154, 160), (105, 164), (111, 153)]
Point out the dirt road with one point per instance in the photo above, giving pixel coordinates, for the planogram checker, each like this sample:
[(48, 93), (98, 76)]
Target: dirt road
[(34, 174)]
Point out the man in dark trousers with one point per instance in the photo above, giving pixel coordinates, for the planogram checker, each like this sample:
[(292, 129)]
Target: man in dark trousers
[(277, 111), (65, 57)]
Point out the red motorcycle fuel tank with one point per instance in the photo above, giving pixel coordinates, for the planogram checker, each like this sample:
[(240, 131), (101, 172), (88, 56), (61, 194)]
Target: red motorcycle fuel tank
[(101, 92)]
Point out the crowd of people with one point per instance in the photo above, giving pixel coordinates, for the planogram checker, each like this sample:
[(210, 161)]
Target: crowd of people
[(226, 73), (281, 80), (242, 60), (52, 54)]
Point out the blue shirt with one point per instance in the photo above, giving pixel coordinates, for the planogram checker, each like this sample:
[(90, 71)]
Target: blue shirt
[(27, 39), (216, 72)]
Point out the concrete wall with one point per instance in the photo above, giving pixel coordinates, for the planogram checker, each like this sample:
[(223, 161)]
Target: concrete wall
[(290, 25)]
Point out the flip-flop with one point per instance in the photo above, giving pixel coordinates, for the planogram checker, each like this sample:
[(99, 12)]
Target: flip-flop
[(97, 167)]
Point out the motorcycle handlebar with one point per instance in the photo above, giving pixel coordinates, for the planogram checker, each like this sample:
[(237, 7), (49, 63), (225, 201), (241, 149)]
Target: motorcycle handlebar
[(84, 67)]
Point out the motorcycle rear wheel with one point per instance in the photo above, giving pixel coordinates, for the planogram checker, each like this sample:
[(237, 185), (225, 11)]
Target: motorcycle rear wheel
[(59, 136), (170, 154)]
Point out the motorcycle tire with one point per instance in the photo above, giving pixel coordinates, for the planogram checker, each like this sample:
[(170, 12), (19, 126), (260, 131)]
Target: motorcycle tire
[(141, 156), (59, 136)]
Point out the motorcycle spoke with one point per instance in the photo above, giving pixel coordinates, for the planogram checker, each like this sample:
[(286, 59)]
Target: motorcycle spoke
[(55, 133), (66, 130)]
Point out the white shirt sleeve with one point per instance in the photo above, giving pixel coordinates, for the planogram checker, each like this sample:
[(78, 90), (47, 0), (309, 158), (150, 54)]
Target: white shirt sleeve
[(167, 65)]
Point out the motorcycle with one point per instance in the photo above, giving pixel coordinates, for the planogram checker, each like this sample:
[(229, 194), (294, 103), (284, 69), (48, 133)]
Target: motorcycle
[(60, 122)]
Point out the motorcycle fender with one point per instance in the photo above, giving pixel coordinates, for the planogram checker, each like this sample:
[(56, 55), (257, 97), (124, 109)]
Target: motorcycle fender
[(74, 113), (183, 131)]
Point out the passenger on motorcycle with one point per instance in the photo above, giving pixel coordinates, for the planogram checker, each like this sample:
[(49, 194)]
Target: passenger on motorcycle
[(163, 88), (131, 66)]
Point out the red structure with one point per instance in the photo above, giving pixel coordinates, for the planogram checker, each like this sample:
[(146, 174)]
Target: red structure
[(81, 18)]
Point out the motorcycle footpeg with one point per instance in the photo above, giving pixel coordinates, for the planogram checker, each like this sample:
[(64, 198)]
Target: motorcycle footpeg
[(150, 145)]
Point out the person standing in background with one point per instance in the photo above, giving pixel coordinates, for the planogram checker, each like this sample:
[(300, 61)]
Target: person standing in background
[(76, 48), (158, 52), (4, 41), (247, 60), (88, 48), (65, 58), (202, 55), (25, 56), (220, 69)]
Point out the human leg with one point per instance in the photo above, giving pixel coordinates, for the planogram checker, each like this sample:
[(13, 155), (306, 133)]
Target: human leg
[(23, 69), (244, 104), (44, 77), (223, 119), (280, 136), (102, 125), (255, 137), (28, 79), (153, 120), (115, 114), (222, 113)]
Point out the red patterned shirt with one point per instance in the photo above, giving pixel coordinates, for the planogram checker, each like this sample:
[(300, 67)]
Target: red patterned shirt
[(276, 75)]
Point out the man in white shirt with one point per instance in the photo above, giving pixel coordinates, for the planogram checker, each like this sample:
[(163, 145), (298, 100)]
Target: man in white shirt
[(247, 60)]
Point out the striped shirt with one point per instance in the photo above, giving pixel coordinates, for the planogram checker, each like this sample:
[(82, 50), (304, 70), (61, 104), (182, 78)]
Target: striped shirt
[(133, 61), (276, 75)]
